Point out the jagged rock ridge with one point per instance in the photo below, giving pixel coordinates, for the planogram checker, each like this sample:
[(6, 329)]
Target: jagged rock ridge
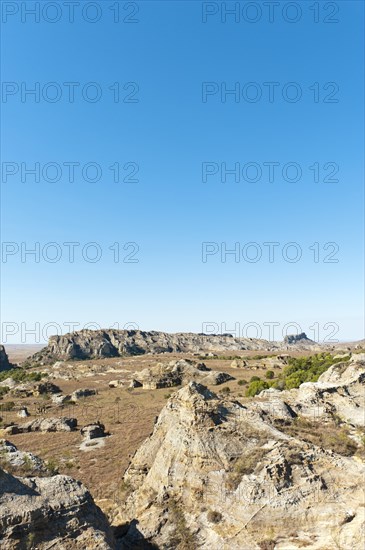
[(92, 344)]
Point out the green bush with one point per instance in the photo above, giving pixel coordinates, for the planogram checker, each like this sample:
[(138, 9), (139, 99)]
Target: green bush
[(22, 375), (270, 374), (256, 387), (306, 369), (242, 382), (255, 378)]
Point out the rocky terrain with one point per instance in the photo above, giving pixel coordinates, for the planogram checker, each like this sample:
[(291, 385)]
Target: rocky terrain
[(91, 344), (281, 472), (46, 512), (206, 466), (177, 373)]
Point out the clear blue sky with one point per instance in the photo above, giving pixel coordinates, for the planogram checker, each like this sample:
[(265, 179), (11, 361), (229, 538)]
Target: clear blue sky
[(169, 133)]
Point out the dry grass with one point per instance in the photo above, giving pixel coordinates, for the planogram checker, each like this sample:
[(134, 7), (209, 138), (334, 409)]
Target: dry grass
[(329, 436)]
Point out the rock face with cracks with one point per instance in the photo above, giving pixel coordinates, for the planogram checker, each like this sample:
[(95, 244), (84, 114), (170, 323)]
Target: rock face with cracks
[(216, 473), (97, 344), (49, 512)]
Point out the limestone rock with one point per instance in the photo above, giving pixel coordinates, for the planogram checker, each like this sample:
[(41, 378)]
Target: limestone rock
[(79, 394), (177, 373), (97, 344), (238, 364), (49, 425), (50, 512), (214, 455), (93, 431), (11, 456)]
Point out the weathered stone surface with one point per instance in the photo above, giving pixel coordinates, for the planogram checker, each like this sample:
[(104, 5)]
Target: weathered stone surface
[(177, 373), (93, 344), (238, 364), (50, 512), (60, 398), (49, 425), (79, 394), (265, 488), (22, 460), (92, 431)]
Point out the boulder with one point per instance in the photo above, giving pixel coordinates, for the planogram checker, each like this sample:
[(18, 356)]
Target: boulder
[(49, 425), (79, 394), (93, 431), (23, 413), (50, 512), (60, 398), (238, 364), (21, 459)]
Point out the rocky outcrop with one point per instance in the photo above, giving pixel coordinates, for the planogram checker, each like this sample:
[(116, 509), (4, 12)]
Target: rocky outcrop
[(216, 473), (177, 373), (94, 344), (4, 360), (49, 425), (49, 512), (22, 461), (80, 394), (93, 431), (301, 339)]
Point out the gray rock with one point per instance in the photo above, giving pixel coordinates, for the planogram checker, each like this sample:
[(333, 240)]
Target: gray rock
[(93, 431), (50, 512), (4, 360), (49, 425), (96, 344), (79, 394)]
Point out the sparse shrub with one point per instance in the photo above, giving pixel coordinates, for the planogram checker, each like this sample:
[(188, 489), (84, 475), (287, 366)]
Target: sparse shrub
[(255, 378), (7, 406), (183, 538), (270, 374), (242, 382), (3, 391), (52, 466), (167, 395), (245, 465), (331, 437), (267, 544), (213, 516), (225, 390)]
